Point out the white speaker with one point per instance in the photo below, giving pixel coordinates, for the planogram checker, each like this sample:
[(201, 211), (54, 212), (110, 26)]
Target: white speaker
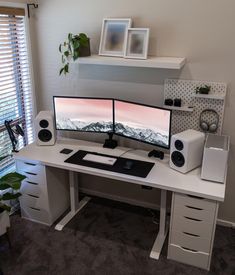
[(45, 128), (186, 150)]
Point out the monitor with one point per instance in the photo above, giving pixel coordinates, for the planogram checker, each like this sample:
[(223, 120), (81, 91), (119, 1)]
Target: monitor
[(144, 123), (83, 114)]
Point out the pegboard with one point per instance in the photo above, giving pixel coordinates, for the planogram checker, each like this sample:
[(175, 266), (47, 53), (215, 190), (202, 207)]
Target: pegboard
[(185, 89)]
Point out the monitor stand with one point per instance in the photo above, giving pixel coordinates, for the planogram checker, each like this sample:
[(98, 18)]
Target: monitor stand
[(110, 142)]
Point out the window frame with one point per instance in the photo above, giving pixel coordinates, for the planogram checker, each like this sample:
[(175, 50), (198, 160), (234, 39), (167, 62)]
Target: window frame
[(30, 63)]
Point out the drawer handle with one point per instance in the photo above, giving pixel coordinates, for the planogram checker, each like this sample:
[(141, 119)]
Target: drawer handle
[(195, 197), (190, 234), (192, 207), (30, 182), (31, 164), (30, 173), (187, 249), (37, 209), (30, 195), (193, 219)]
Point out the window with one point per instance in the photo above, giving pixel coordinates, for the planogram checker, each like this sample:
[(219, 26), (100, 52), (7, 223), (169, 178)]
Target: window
[(15, 81)]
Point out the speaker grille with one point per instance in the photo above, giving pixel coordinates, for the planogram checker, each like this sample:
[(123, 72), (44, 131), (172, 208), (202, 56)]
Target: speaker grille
[(178, 159), (45, 135), (179, 145), (43, 123)]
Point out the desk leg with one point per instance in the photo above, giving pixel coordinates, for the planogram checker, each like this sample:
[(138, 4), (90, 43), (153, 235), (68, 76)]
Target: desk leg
[(163, 229), (75, 205)]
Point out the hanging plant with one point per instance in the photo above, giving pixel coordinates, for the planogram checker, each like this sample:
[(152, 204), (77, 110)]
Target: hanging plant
[(76, 46)]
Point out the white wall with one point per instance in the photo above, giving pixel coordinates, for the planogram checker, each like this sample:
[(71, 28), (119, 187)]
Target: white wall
[(203, 31)]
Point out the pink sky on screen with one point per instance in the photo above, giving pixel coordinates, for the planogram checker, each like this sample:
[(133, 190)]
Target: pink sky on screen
[(84, 109), (136, 116)]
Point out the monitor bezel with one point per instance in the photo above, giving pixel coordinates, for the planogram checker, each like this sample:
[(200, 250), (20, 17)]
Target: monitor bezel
[(145, 105), (83, 97)]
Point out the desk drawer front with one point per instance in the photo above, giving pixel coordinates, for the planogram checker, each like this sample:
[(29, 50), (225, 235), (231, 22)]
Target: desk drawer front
[(190, 241), (34, 201), (191, 226), (27, 164), (33, 188), (35, 214), (194, 202), (194, 213), (195, 258), (34, 176)]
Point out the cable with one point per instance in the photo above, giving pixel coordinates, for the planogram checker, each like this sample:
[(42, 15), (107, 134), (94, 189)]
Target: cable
[(126, 152)]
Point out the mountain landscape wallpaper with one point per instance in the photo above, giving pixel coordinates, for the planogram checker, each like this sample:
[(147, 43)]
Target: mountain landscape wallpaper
[(84, 114), (143, 123)]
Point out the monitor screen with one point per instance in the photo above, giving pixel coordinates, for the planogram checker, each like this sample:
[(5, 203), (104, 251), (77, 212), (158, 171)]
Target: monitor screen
[(144, 123), (83, 114)]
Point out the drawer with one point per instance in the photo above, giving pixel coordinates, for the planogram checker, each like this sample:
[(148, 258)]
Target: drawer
[(35, 177), (195, 258), (195, 202), (195, 213), (33, 188), (36, 214), (191, 241), (30, 166), (196, 227), (34, 201)]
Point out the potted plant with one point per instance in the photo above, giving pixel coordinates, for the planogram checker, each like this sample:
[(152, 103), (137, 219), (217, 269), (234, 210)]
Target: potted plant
[(11, 184), (204, 90), (76, 46)]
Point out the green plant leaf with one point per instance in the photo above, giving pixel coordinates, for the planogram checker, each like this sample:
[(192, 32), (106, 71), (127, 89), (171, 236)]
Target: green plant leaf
[(66, 53), (76, 44), (9, 196), (13, 179), (70, 36), (5, 207), (66, 68), (61, 70), (4, 186), (60, 48)]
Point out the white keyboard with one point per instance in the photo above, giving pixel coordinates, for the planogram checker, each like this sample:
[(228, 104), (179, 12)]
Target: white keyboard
[(100, 159)]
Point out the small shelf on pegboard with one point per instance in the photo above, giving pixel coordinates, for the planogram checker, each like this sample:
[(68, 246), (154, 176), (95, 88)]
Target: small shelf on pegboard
[(184, 108), (218, 96)]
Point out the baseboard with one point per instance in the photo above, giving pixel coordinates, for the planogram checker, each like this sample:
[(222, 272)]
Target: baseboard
[(226, 223), (141, 203), (121, 199)]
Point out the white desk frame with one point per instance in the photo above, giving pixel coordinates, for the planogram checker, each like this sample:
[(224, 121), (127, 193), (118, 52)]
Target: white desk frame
[(161, 177)]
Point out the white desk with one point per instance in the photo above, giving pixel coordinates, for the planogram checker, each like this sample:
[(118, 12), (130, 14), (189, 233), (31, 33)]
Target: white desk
[(161, 177)]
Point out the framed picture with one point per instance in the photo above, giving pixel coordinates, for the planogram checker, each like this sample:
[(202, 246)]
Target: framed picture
[(137, 43), (114, 36)]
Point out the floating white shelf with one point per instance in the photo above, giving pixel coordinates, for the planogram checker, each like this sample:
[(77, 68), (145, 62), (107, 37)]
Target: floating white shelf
[(211, 96), (151, 62), (182, 108)]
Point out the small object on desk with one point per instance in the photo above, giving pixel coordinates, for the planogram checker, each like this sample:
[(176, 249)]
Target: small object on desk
[(168, 102), (66, 151), (156, 154), (100, 159), (128, 165), (177, 102)]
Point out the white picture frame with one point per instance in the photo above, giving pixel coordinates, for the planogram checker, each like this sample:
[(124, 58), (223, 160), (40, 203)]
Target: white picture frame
[(137, 43), (114, 36)]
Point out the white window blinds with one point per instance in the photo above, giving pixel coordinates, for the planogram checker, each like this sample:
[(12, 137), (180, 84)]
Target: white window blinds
[(15, 82)]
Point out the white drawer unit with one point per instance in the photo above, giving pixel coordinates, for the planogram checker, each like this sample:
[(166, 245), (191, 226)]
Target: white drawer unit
[(45, 192), (192, 229)]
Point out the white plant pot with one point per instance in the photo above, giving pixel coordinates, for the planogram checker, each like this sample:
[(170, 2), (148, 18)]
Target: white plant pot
[(4, 222)]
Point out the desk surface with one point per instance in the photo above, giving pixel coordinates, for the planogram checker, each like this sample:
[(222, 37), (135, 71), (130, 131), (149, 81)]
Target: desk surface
[(161, 176)]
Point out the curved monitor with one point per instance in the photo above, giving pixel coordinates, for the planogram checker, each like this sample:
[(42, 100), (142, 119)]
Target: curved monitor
[(83, 114), (144, 123)]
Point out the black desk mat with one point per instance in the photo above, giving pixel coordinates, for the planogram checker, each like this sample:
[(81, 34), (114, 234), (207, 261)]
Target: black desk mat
[(139, 168)]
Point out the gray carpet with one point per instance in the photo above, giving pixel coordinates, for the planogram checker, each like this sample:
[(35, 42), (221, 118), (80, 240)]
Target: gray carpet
[(106, 237)]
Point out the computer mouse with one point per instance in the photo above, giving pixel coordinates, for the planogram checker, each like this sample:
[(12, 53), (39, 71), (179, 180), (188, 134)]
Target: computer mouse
[(128, 165)]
